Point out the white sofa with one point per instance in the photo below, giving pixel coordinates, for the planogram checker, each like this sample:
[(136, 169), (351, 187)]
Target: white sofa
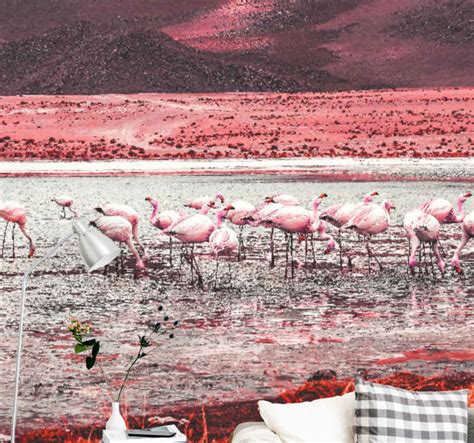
[(254, 432), (258, 432)]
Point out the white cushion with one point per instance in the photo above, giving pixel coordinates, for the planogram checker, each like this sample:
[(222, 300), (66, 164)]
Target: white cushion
[(323, 420), (254, 432)]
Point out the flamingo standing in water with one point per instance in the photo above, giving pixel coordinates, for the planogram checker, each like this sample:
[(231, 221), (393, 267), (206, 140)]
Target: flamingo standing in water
[(13, 212), (64, 201), (467, 234), (129, 214), (223, 240), (192, 230), (199, 202), (264, 211), (371, 219), (120, 230), (257, 218), (298, 220), (163, 220), (444, 211), (338, 215), (422, 228), (237, 213)]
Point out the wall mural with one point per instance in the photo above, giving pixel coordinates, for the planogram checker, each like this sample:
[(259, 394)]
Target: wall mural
[(289, 183)]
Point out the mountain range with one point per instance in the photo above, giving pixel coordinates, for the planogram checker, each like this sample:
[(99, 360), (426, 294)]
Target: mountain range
[(131, 46)]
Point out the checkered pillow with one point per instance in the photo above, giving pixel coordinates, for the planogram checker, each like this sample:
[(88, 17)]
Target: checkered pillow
[(385, 414)]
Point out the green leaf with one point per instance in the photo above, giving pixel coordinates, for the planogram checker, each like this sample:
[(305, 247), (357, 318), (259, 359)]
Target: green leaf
[(95, 349), (80, 348), (90, 362), (91, 342), (144, 343), (143, 354)]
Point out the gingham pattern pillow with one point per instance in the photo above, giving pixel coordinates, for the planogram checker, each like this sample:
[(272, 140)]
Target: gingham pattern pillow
[(385, 414)]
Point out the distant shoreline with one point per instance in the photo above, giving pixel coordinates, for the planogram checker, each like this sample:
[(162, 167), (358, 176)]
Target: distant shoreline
[(446, 169)]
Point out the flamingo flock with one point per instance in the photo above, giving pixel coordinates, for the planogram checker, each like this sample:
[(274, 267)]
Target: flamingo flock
[(222, 230)]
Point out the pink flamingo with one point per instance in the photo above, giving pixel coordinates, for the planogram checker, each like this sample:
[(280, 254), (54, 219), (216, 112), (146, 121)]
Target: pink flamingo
[(64, 202), (129, 214), (223, 240), (422, 228), (163, 220), (284, 199), (371, 219), (15, 213), (338, 215), (120, 230), (237, 213), (467, 234), (270, 205), (199, 202), (257, 218), (192, 230), (298, 220), (444, 211)]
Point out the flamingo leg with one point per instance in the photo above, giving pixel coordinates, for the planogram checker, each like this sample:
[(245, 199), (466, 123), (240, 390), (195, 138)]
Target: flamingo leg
[(216, 271), (74, 214), (28, 237), (241, 247), (4, 237), (371, 254), (138, 242), (408, 254), (443, 253), (414, 245), (272, 256), (171, 251), (182, 254), (64, 212), (305, 249), (368, 254), (291, 256), (13, 240), (191, 261), (430, 250), (198, 272), (439, 260), (138, 260), (120, 264), (312, 249), (455, 260), (340, 249)]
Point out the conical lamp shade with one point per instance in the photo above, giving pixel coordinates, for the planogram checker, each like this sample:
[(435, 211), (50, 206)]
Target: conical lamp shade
[(97, 250)]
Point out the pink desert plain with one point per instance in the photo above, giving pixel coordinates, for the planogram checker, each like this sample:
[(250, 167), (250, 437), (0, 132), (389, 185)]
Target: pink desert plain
[(384, 123)]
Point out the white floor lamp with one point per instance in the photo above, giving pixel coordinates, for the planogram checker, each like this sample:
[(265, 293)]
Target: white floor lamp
[(96, 250)]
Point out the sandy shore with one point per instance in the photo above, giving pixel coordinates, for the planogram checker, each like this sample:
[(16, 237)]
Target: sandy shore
[(411, 123)]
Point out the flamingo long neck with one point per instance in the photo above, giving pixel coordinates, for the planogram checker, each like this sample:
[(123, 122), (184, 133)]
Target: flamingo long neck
[(414, 244), (220, 217), (316, 203), (204, 209), (368, 198), (460, 214), (154, 213)]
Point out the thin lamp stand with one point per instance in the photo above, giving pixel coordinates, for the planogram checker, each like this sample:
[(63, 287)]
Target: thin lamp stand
[(96, 250)]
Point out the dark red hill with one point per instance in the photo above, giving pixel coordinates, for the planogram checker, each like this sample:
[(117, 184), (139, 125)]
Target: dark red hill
[(100, 46)]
